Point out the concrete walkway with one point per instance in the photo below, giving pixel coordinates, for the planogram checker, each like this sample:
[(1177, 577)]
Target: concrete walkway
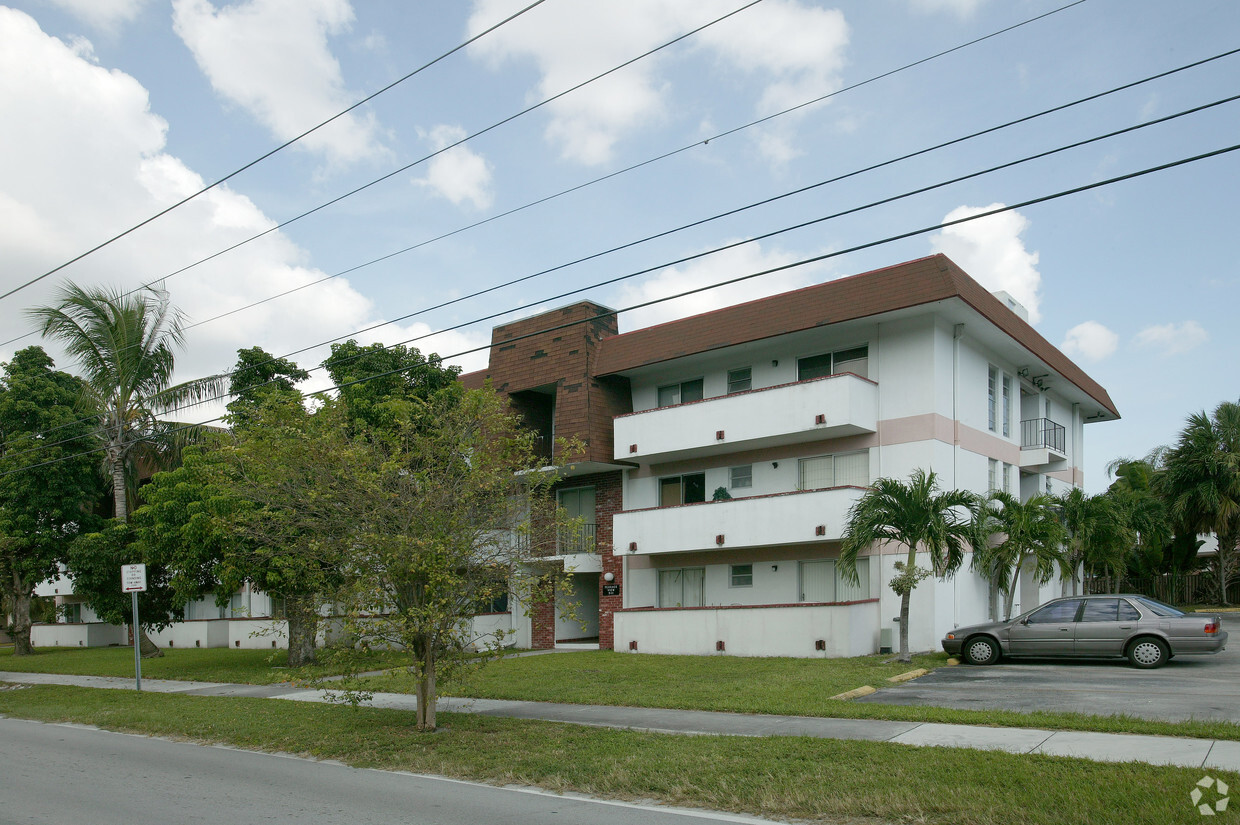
[(1102, 747)]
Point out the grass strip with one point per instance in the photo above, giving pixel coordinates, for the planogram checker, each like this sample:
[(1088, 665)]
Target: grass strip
[(783, 777)]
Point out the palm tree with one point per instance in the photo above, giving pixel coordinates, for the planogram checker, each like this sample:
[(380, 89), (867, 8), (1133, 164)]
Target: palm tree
[(917, 516), (1098, 536), (1032, 543), (985, 527), (1201, 483), (124, 345)]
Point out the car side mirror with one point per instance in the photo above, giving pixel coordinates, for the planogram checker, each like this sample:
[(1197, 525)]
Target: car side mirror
[(1024, 621)]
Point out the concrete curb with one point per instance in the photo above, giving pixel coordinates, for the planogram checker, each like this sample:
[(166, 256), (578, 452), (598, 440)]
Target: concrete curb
[(905, 677), (864, 690)]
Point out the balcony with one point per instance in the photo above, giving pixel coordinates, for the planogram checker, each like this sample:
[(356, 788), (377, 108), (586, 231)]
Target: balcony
[(798, 517), (830, 407), (1042, 443), (576, 538)]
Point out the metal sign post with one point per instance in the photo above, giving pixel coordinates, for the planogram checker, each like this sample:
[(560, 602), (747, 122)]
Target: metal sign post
[(133, 582)]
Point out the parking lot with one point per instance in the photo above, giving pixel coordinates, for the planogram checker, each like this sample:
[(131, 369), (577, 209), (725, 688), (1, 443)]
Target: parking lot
[(1187, 687)]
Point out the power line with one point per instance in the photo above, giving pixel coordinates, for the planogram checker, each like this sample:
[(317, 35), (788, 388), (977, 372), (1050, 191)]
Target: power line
[(784, 267), (268, 154), (694, 144), (678, 261)]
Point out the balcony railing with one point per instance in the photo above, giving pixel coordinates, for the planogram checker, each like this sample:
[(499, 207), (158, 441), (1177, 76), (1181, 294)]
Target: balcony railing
[(1042, 433), (576, 538)]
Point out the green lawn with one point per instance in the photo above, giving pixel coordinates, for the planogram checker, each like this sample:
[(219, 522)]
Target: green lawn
[(255, 667), (798, 687), (811, 779)]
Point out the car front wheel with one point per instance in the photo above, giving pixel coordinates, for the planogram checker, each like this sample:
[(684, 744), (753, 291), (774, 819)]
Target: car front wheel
[(981, 650), (1148, 653)]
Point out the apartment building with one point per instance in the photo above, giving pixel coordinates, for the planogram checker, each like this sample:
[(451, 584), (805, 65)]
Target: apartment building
[(722, 452)]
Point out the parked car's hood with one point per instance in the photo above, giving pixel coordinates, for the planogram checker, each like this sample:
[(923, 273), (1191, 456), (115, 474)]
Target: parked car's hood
[(974, 628)]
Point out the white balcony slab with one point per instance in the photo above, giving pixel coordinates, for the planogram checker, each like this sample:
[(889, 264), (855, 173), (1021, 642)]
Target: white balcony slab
[(758, 521), (830, 407), (1040, 457)]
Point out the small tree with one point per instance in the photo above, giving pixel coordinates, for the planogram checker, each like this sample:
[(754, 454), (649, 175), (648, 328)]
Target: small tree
[(47, 484), (1032, 540), (1097, 536), (917, 516), (454, 512)]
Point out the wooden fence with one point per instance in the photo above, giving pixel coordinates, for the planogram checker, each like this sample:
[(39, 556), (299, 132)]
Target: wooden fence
[(1173, 588)]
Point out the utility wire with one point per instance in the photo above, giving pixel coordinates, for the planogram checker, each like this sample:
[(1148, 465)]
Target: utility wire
[(696, 143), (729, 282), (676, 262), (268, 154)]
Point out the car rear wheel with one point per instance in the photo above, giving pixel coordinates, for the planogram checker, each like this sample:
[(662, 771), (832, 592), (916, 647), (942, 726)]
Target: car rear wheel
[(1148, 652), (981, 650)]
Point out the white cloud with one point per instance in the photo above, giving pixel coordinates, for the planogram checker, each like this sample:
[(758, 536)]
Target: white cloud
[(1089, 341), (1173, 339), (795, 49), (961, 8), (103, 14), (741, 260), (82, 157), (990, 249), (272, 58), (459, 174)]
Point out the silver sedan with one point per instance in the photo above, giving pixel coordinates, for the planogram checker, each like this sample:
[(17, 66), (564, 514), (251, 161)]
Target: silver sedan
[(1146, 631)]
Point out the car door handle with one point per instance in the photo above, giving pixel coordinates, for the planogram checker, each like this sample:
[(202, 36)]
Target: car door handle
[(1125, 627), (1065, 630)]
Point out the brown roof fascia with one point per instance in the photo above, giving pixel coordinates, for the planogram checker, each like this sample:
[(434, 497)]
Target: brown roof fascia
[(910, 284)]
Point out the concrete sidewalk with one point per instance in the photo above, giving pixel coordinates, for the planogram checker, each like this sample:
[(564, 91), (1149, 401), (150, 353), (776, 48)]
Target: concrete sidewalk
[(1101, 747)]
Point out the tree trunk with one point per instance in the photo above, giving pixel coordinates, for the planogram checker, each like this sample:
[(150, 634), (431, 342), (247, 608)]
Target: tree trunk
[(146, 647), (905, 655), (1011, 593), (427, 695), (994, 600), (303, 629), (20, 599), (1225, 560), (119, 502)]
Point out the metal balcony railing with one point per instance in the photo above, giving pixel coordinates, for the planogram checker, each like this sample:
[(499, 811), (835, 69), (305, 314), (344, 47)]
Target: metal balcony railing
[(576, 539), (1039, 433)]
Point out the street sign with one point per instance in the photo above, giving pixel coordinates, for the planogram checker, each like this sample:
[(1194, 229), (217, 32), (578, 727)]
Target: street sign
[(133, 578)]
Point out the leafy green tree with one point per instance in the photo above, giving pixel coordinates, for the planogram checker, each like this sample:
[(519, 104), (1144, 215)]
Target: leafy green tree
[(917, 516), (1155, 547), (1098, 536), (257, 376), (985, 530), (452, 510), (48, 486), (1201, 485), (1031, 543), (379, 384)]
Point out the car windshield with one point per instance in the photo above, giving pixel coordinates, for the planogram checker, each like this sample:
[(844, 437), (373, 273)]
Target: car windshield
[(1158, 608)]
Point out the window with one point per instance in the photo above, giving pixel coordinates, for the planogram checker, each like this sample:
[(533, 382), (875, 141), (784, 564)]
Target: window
[(1007, 477), (1064, 611), (1048, 486), (991, 389), (1158, 608), (680, 393), (578, 506), (683, 587), (687, 489), (1101, 610), (1007, 405), (992, 475), (740, 476), (739, 379), (1128, 613), (855, 360), (842, 470), (742, 575), (72, 613), (823, 581)]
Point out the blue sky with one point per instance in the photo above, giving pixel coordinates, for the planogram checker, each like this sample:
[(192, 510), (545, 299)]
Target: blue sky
[(113, 109)]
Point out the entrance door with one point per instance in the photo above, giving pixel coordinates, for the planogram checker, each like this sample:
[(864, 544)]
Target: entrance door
[(1048, 631), (577, 537), (817, 581)]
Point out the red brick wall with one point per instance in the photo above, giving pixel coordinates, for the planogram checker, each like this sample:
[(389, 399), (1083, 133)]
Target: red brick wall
[(542, 625)]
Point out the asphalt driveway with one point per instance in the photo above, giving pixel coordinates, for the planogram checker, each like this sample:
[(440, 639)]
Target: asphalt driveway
[(1187, 687)]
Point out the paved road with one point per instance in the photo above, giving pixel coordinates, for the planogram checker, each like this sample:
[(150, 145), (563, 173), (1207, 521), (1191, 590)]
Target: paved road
[(60, 773), (1188, 687)]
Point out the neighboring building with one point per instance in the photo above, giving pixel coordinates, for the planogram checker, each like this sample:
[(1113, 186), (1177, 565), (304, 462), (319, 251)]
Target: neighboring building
[(787, 407)]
